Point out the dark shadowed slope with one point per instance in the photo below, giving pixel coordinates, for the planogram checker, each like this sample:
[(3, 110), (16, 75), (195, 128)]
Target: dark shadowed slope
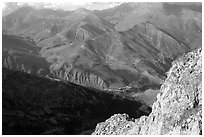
[(34, 105)]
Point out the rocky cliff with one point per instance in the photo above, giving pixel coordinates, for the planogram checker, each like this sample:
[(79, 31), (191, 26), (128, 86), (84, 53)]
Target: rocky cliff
[(178, 109), (68, 73)]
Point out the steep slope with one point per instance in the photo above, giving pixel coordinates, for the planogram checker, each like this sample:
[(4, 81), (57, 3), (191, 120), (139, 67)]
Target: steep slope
[(36, 105), (178, 109)]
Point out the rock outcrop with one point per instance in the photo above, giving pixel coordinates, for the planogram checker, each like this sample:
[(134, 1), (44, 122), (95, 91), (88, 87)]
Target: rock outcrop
[(87, 79), (178, 109)]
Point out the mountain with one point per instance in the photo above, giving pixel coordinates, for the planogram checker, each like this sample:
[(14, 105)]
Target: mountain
[(178, 109), (36, 105), (89, 48)]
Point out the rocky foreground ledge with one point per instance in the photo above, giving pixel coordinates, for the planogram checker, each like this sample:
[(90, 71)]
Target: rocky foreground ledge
[(178, 109)]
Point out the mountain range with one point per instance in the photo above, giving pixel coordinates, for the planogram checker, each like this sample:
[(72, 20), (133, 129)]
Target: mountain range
[(105, 49), (60, 63)]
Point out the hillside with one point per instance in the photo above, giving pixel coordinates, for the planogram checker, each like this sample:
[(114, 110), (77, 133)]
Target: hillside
[(34, 105)]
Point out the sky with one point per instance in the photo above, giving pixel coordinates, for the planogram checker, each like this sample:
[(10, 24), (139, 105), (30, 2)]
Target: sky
[(8, 7)]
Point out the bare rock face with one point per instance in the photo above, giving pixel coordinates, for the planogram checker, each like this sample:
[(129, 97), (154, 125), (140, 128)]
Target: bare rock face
[(69, 73), (178, 109)]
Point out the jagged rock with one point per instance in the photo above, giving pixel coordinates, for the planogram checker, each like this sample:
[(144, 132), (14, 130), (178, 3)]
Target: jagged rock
[(178, 109), (116, 123), (69, 73)]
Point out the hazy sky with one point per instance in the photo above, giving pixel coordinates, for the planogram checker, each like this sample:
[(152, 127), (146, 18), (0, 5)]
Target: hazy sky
[(70, 5)]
